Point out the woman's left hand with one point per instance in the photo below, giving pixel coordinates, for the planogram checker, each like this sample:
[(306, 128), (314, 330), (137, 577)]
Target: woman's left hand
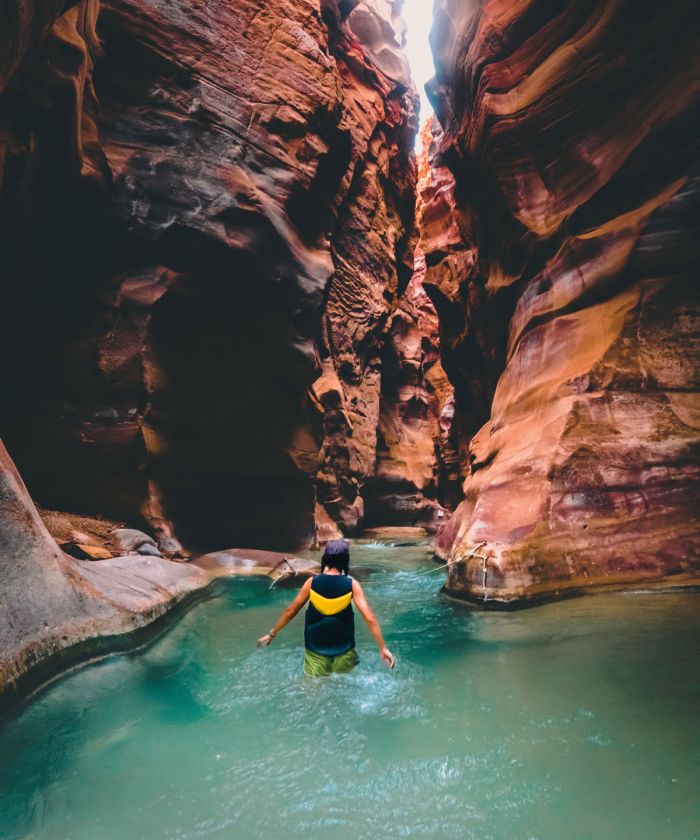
[(387, 656), (265, 640)]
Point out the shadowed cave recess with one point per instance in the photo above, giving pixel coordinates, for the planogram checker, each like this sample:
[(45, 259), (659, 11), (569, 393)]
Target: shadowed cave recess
[(237, 309)]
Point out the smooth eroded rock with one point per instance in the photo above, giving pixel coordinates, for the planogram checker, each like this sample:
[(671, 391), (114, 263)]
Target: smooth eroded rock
[(129, 540), (559, 231)]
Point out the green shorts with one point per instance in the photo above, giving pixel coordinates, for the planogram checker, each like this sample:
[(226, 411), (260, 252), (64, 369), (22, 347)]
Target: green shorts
[(316, 665)]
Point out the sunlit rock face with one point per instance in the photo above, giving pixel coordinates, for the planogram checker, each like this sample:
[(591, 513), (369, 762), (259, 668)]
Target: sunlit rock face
[(563, 265), (207, 226), (378, 25)]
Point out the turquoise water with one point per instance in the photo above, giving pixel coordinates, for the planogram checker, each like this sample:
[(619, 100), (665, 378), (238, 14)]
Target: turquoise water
[(573, 720)]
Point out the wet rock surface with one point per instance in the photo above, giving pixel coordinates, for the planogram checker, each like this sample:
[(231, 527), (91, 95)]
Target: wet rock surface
[(562, 260)]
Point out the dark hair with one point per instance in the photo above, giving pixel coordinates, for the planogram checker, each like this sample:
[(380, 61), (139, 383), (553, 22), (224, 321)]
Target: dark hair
[(336, 556)]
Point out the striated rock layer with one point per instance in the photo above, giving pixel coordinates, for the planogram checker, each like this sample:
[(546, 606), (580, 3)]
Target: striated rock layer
[(206, 226), (417, 469), (415, 476), (56, 611), (559, 231), (51, 604)]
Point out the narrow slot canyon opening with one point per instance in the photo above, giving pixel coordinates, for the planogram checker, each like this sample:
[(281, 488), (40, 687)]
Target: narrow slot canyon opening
[(417, 478)]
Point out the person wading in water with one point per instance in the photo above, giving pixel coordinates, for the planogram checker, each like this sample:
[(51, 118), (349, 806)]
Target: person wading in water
[(329, 633)]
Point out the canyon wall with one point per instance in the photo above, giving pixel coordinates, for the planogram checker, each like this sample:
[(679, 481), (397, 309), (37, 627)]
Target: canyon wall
[(418, 471), (210, 321), (206, 260), (416, 476), (560, 231), (206, 225)]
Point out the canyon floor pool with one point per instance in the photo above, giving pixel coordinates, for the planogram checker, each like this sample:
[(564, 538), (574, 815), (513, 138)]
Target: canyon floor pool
[(572, 720)]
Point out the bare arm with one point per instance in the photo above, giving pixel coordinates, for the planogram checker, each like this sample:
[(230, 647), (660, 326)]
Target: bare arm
[(358, 596), (288, 613)]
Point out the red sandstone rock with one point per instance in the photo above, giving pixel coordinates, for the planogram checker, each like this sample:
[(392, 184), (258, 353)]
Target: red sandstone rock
[(185, 259), (562, 264), (372, 251), (413, 468), (24, 24)]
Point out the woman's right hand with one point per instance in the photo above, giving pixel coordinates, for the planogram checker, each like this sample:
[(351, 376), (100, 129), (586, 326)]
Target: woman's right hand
[(387, 656), (265, 640)]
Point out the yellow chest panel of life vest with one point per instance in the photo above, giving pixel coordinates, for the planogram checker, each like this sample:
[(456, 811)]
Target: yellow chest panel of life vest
[(329, 606)]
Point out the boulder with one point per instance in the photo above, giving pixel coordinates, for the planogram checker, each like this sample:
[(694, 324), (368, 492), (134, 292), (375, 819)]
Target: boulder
[(276, 565), (149, 550), (130, 540)]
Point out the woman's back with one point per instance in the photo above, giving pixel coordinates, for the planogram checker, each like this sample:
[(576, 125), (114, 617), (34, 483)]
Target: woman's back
[(330, 620)]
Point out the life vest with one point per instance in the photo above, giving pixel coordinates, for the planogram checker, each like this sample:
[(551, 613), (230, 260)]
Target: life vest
[(330, 620)]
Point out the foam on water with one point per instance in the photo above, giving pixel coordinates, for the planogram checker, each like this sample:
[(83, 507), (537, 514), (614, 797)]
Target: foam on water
[(573, 720)]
